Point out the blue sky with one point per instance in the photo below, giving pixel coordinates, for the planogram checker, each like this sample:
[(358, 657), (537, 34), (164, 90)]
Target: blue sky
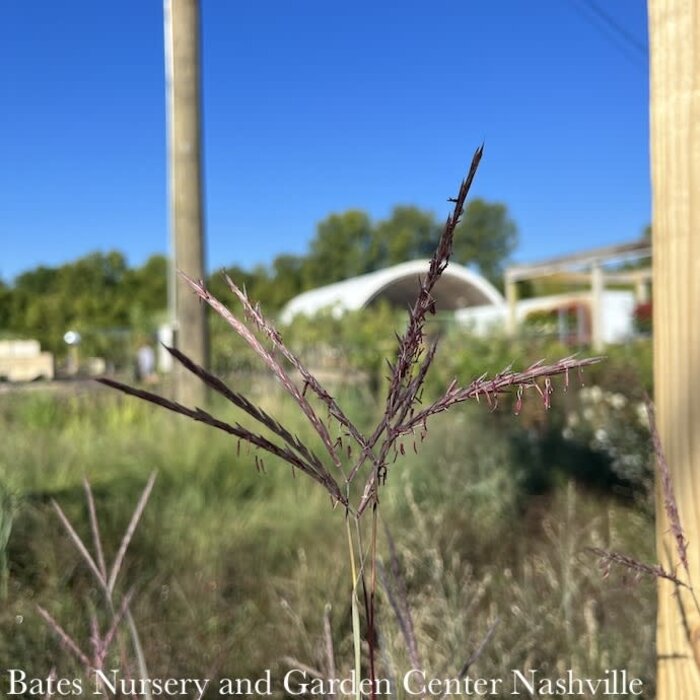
[(317, 107)]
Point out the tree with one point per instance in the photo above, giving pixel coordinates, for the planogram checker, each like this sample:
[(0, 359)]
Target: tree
[(146, 293), (5, 306), (341, 248), (349, 244), (486, 237), (216, 282), (409, 234), (97, 295), (674, 40), (286, 281)]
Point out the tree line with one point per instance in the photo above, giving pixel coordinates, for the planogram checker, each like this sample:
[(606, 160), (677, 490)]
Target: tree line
[(103, 298)]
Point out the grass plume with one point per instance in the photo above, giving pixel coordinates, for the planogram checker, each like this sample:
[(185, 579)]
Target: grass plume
[(403, 414)]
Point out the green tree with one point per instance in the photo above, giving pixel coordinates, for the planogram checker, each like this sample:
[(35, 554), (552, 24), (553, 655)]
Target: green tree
[(97, 295), (5, 307), (286, 280), (409, 234), (34, 310), (254, 282), (349, 244), (341, 249), (81, 295), (229, 352), (145, 293), (486, 237)]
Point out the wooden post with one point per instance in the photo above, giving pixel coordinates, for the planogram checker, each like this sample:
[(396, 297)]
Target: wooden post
[(511, 300), (597, 288), (186, 209), (582, 330), (562, 327), (641, 288), (674, 38)]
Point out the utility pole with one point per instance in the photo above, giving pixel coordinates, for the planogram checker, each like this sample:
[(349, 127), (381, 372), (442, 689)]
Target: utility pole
[(187, 313), (674, 43)]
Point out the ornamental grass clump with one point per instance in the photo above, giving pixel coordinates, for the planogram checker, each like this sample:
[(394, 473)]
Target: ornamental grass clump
[(353, 466), (105, 644), (350, 454), (608, 559)]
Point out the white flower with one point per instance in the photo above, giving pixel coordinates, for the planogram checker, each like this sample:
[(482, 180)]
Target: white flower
[(617, 401), (642, 416), (594, 394)]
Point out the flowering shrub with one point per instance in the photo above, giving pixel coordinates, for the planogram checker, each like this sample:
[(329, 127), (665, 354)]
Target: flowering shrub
[(643, 318), (571, 321), (611, 423)]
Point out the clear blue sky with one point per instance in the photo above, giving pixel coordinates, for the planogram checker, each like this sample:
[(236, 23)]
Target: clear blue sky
[(317, 107)]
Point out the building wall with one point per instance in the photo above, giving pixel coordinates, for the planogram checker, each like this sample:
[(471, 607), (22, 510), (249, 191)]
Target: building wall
[(617, 313)]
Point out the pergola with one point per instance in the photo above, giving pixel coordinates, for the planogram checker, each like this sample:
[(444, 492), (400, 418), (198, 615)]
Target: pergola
[(586, 266)]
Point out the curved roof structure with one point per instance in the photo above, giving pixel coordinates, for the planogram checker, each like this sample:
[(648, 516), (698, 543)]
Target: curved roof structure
[(457, 288)]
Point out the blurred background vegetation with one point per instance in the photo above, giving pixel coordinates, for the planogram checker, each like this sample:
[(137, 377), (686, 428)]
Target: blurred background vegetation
[(113, 306), (233, 568)]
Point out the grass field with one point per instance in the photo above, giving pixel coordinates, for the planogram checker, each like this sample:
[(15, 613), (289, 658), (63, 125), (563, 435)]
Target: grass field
[(233, 569)]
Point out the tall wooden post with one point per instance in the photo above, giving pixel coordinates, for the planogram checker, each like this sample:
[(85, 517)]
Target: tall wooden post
[(512, 302), (186, 208), (641, 289), (597, 290), (674, 37)]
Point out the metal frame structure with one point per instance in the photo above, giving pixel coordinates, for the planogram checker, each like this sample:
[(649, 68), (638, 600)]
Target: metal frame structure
[(586, 266)]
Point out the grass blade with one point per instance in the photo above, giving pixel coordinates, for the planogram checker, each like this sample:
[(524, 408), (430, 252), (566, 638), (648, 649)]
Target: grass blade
[(119, 559)]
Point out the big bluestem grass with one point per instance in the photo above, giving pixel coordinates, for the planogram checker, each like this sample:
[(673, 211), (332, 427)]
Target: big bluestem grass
[(609, 559), (105, 643), (348, 452), (348, 456), (471, 547), (549, 605), (8, 509)]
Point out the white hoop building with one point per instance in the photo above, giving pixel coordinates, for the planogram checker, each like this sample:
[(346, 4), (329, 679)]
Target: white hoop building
[(457, 288)]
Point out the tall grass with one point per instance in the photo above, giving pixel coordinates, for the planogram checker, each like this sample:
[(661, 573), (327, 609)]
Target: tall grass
[(225, 554), (235, 544), (332, 465)]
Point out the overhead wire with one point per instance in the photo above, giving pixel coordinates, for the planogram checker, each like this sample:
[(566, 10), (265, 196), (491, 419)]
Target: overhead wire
[(614, 30)]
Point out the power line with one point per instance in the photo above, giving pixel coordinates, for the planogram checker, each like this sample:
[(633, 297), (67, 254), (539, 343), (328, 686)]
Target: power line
[(617, 27), (622, 38)]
